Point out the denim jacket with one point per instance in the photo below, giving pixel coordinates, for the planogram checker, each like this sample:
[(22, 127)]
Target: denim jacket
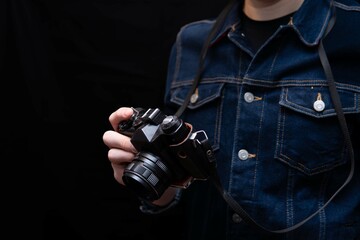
[(271, 121)]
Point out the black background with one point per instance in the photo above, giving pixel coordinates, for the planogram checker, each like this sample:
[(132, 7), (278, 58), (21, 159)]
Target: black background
[(65, 66)]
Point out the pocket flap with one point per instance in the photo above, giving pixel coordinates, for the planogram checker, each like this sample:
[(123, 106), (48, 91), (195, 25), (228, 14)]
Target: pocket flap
[(304, 100), (205, 94)]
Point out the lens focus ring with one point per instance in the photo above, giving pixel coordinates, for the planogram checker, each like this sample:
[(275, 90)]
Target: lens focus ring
[(147, 176)]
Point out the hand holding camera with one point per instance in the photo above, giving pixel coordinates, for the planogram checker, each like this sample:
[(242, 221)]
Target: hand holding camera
[(169, 153), (121, 151)]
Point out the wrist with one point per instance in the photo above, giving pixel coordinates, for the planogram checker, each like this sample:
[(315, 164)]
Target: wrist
[(167, 197), (168, 200)]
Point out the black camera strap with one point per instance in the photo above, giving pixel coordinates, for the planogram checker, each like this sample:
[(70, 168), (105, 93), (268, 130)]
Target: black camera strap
[(218, 23), (337, 105)]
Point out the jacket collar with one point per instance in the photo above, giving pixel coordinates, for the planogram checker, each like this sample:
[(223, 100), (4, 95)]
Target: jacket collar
[(310, 21)]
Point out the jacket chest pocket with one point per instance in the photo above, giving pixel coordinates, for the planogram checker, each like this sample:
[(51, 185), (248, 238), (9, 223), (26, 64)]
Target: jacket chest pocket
[(309, 137), (204, 109)]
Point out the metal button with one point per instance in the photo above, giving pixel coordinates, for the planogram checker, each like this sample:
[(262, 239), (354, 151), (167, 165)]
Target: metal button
[(194, 98), (249, 97), (243, 154), (236, 218), (319, 105)]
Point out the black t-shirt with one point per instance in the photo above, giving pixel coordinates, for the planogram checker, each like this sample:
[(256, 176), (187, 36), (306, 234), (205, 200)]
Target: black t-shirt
[(257, 32)]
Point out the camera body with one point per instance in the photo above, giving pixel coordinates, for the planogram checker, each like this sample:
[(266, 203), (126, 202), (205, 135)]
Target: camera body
[(169, 153)]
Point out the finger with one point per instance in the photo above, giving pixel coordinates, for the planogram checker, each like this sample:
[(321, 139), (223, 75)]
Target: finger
[(118, 172), (114, 139), (119, 115), (120, 157)]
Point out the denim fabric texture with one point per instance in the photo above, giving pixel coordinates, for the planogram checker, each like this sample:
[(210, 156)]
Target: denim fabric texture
[(279, 154)]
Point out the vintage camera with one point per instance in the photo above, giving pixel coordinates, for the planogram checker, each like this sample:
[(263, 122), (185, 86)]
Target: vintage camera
[(169, 153)]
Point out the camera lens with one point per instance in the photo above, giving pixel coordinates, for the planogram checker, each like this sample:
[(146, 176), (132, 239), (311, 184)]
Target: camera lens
[(147, 176)]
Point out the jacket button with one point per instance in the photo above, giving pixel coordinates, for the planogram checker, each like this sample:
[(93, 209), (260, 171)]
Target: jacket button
[(319, 105), (249, 97), (236, 218), (243, 154), (194, 98)]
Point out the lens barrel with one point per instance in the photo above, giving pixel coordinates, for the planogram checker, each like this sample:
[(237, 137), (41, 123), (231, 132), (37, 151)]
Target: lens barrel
[(147, 176)]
